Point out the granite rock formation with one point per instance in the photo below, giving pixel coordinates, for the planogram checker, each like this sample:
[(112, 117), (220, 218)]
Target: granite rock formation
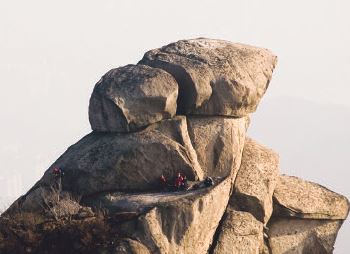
[(240, 233), (256, 180), (183, 109), (215, 77), (131, 97)]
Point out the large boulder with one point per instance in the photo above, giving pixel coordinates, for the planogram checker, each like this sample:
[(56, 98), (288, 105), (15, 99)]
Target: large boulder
[(256, 180), (126, 162), (240, 232), (215, 77), (303, 236), (181, 222), (131, 97), (218, 142), (299, 198)]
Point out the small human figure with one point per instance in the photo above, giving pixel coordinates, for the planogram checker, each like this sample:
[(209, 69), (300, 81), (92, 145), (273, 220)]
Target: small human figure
[(58, 172), (163, 182), (179, 181), (208, 181), (184, 183)]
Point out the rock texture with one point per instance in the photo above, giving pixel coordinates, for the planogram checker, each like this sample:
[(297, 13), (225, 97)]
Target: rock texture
[(184, 108), (58, 204), (218, 142), (256, 180), (303, 236), (215, 77), (129, 246), (127, 162), (185, 225), (131, 97), (299, 198), (240, 233)]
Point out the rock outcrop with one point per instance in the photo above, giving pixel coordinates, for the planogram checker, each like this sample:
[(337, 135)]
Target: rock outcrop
[(303, 236), (168, 168), (174, 227), (306, 217), (218, 142), (215, 77), (299, 198), (240, 233), (131, 97), (102, 162), (256, 180)]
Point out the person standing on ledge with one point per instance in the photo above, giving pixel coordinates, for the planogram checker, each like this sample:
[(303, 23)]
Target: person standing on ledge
[(58, 174), (163, 183), (179, 181)]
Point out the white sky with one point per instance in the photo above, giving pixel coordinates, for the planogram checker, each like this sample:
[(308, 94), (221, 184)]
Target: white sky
[(53, 52)]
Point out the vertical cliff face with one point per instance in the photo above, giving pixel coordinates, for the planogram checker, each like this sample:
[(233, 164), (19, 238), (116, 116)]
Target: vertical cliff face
[(183, 109)]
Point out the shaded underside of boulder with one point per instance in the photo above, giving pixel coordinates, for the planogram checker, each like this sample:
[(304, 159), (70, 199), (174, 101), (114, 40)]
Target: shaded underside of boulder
[(240, 232), (132, 97), (185, 224), (218, 142), (299, 198), (215, 77), (303, 236), (256, 180)]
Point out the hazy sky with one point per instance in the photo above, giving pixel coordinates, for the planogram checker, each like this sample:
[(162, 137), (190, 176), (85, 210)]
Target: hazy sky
[(53, 52)]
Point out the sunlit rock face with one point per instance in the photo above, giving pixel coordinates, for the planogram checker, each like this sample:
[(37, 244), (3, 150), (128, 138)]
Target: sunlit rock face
[(215, 77), (182, 111)]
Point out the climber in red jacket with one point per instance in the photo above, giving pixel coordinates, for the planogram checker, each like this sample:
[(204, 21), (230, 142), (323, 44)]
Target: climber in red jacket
[(179, 181), (57, 172)]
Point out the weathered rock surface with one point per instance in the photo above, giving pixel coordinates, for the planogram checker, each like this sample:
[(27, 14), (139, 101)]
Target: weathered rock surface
[(256, 180), (129, 246), (299, 198), (183, 224), (303, 236), (218, 142), (46, 202), (131, 97), (127, 162), (240, 232), (215, 77)]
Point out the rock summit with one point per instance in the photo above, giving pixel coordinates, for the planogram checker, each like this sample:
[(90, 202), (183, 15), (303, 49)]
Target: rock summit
[(182, 112)]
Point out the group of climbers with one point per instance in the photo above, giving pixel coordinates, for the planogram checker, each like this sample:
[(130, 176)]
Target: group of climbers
[(180, 183)]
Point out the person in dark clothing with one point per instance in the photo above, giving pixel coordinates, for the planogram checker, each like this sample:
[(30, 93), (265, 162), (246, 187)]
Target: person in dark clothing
[(163, 183), (184, 183), (58, 172), (208, 181)]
